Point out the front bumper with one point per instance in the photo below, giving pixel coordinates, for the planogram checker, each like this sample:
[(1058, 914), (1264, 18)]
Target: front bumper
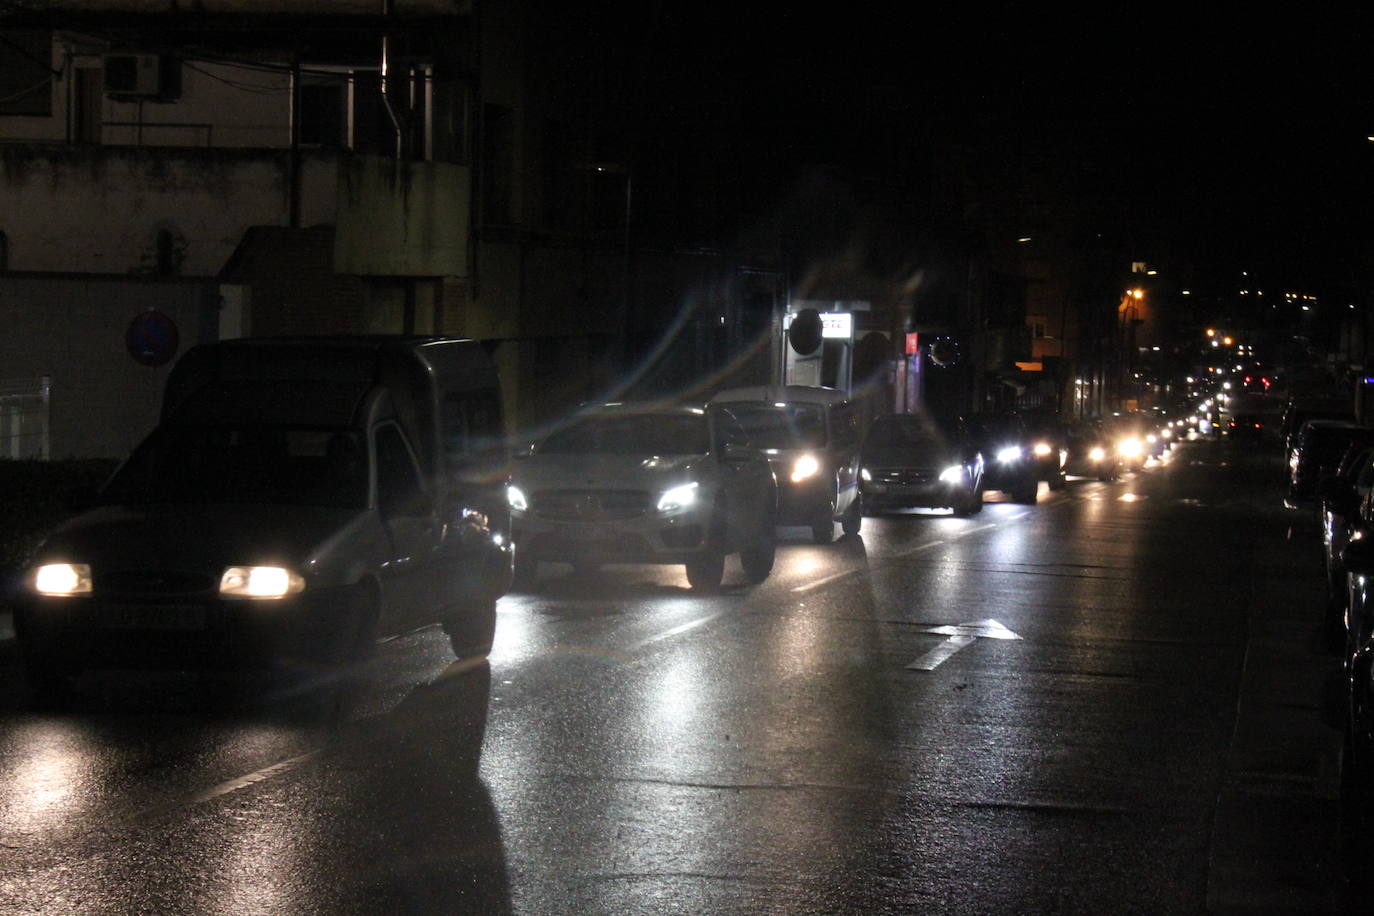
[(651, 538), (185, 632)]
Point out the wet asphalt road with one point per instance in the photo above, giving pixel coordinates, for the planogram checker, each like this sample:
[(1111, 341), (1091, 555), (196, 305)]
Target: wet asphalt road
[(1104, 703)]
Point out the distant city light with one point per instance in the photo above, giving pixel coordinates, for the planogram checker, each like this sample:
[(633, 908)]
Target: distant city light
[(1023, 239)]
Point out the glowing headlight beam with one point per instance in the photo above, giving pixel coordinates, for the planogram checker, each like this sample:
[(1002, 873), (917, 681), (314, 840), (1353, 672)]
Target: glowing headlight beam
[(1009, 454), (259, 582), (678, 497), (953, 474), (804, 467), (62, 579), (516, 497)]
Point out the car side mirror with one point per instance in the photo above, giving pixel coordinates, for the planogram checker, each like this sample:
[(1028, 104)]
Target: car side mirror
[(1358, 556)]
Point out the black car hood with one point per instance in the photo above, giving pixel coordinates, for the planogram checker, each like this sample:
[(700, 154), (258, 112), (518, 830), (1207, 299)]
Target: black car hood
[(195, 536)]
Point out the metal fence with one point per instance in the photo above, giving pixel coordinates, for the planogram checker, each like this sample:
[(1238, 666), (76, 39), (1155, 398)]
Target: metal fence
[(24, 426)]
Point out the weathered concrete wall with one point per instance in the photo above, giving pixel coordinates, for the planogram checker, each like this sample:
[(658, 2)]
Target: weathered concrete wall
[(99, 210), (73, 330), (402, 219)]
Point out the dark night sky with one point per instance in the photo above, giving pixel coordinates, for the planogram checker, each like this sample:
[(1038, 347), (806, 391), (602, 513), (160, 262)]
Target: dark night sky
[(1229, 142)]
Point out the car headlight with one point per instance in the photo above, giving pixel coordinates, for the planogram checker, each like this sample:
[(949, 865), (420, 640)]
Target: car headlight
[(1009, 454), (864, 475), (1042, 449), (953, 474), (804, 467), (516, 497), (62, 579), (678, 497), (1129, 448), (1097, 453), (259, 582)]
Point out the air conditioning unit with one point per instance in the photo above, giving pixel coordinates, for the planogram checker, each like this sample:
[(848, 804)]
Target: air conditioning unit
[(142, 76)]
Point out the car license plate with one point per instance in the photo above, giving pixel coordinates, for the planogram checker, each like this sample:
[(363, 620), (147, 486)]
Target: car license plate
[(153, 617)]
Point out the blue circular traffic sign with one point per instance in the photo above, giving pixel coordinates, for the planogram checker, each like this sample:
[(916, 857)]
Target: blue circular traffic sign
[(151, 338)]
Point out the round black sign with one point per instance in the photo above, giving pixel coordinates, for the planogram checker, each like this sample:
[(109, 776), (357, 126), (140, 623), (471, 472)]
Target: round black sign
[(944, 352), (151, 338), (805, 332)]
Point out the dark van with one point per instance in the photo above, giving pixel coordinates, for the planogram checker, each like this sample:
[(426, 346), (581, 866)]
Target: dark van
[(299, 498)]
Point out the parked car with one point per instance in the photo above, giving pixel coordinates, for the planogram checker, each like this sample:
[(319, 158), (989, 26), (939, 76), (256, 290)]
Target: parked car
[(1008, 455), (1298, 412), (300, 497), (911, 461), (644, 483), (813, 438), (1338, 499), (1317, 448), (1092, 451)]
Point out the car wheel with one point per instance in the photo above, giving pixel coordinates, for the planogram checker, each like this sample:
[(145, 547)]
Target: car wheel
[(854, 518), (705, 570), (471, 630), (526, 577), (971, 503), (757, 560)]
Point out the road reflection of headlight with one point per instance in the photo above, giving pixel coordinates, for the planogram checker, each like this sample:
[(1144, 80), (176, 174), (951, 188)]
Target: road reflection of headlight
[(1097, 453), (260, 582), (1009, 454), (1042, 449), (1129, 448), (678, 497), (804, 467), (516, 497), (62, 579), (953, 474)]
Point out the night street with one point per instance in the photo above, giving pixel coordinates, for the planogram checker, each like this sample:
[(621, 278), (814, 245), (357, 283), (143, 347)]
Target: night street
[(1110, 701)]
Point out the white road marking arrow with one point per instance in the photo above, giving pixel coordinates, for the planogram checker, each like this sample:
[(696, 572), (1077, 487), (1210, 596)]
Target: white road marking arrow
[(960, 636)]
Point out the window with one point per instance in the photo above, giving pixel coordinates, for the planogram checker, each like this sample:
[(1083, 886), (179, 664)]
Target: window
[(399, 490), (472, 425), (729, 431), (322, 115), (26, 73), (1038, 325)]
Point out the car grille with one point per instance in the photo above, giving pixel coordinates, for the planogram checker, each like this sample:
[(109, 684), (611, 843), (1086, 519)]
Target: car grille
[(154, 582), (904, 477), (589, 505)]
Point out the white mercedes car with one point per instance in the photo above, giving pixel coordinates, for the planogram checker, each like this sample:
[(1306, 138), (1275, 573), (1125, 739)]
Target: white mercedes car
[(627, 483)]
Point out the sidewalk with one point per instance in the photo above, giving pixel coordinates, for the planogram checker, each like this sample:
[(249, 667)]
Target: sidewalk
[(1275, 843)]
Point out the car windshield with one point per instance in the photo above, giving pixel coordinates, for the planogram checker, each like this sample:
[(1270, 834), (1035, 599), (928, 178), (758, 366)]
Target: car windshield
[(631, 434), (986, 428), (782, 425), (244, 464), (899, 432)]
